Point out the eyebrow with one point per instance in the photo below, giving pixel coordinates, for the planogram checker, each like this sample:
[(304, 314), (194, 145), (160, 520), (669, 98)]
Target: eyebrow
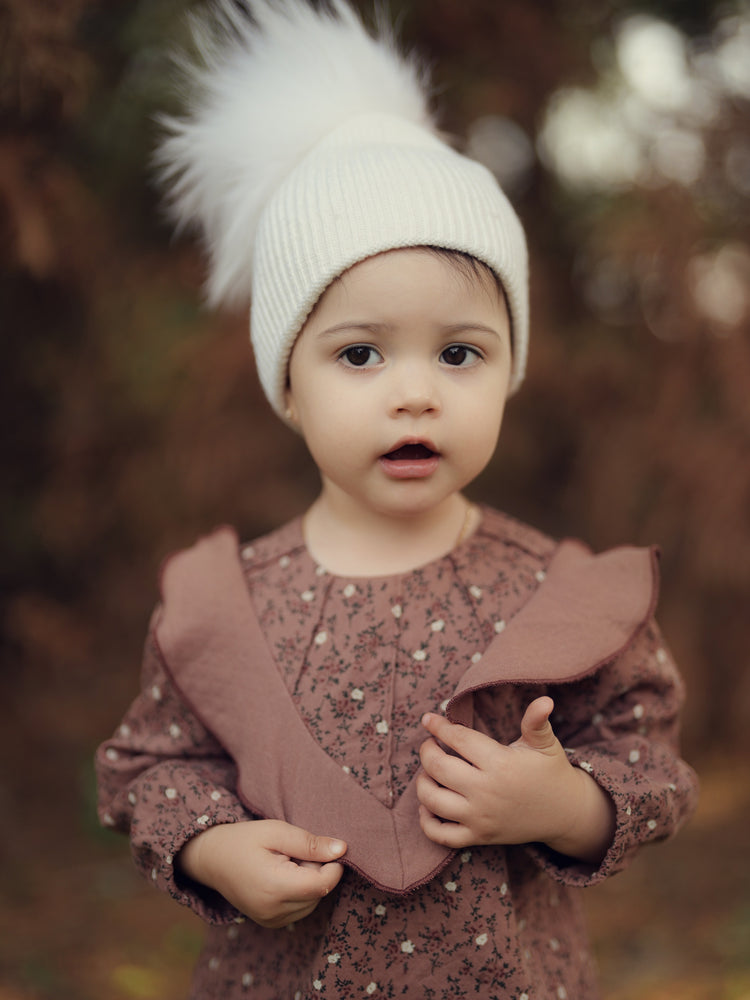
[(451, 328)]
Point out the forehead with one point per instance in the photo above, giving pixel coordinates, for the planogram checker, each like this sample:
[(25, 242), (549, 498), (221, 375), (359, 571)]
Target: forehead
[(413, 278)]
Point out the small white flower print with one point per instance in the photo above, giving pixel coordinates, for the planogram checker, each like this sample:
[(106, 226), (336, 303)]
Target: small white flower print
[(202, 820), (154, 874), (500, 626), (466, 857), (213, 964), (215, 795), (562, 993), (382, 727), (444, 705), (174, 731), (407, 947), (284, 562), (132, 799), (661, 655), (357, 694), (170, 793), (346, 769), (233, 932), (169, 859), (371, 988), (652, 824), (108, 819), (450, 886), (248, 552), (476, 592), (638, 711), (476, 658), (320, 638), (350, 590), (419, 654), (524, 996), (380, 910), (481, 939), (597, 719), (504, 889), (438, 625), (334, 959), (125, 730), (307, 596), (248, 979), (112, 754), (554, 944), (396, 610), (585, 766), (320, 571), (540, 575), (156, 692), (634, 756), (317, 984)]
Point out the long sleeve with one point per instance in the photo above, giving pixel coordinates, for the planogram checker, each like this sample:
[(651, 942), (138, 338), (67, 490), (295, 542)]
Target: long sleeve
[(621, 726), (162, 779)]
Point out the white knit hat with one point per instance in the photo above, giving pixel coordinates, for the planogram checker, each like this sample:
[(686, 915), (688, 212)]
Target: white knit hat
[(307, 147)]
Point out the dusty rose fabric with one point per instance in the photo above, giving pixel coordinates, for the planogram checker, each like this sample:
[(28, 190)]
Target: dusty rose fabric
[(272, 688)]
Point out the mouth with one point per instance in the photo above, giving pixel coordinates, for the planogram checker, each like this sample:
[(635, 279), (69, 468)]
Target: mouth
[(416, 452), (411, 460)]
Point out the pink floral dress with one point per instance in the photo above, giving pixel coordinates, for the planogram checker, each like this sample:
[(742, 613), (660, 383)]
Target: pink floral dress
[(350, 666)]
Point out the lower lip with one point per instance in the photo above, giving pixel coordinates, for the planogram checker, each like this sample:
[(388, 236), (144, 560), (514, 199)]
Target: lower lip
[(410, 468)]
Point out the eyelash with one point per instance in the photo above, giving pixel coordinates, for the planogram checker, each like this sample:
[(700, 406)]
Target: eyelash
[(471, 353)]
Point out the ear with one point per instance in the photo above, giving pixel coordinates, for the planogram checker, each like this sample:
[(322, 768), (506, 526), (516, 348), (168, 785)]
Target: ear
[(290, 412)]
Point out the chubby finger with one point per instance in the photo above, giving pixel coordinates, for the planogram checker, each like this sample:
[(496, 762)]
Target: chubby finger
[(536, 729), (452, 835), (467, 743), (442, 802), (300, 844), (447, 770), (298, 884)]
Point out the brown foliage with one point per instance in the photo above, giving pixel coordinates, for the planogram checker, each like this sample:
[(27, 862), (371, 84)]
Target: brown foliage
[(133, 421)]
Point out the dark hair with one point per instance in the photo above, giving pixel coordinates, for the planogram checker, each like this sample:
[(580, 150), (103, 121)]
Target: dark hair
[(469, 267)]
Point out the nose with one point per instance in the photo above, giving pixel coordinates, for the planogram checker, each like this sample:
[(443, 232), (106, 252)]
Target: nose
[(414, 391)]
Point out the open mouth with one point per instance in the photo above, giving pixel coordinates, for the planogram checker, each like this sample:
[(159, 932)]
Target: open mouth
[(410, 453), (413, 460)]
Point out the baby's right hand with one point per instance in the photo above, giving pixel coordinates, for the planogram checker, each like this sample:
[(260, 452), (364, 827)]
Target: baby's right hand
[(271, 871)]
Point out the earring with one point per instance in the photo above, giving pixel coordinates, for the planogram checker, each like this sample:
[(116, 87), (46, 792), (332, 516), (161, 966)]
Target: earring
[(288, 414)]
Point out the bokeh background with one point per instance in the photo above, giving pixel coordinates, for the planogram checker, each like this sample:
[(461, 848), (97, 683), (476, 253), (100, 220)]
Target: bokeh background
[(132, 421)]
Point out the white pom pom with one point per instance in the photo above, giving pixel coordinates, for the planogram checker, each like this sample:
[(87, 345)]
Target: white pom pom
[(263, 93)]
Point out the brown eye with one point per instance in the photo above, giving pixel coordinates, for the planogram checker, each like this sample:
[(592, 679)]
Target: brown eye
[(360, 356), (458, 355)]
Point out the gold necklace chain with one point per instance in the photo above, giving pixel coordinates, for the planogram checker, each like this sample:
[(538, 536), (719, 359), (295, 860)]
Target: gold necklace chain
[(466, 524)]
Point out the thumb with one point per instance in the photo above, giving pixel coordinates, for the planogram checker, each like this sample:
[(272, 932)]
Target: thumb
[(305, 846), (536, 729)]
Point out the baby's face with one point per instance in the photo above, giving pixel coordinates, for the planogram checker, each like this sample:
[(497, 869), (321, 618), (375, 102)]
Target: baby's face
[(398, 381)]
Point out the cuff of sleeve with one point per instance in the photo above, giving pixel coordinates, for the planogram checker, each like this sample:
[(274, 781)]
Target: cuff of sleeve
[(612, 776), (159, 864)]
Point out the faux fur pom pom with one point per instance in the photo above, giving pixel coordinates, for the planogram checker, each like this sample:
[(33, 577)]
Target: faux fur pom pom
[(263, 91)]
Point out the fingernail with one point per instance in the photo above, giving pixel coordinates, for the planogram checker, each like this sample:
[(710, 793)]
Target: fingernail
[(426, 718), (337, 847)]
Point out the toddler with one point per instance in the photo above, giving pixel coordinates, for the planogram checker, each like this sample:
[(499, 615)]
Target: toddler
[(378, 749)]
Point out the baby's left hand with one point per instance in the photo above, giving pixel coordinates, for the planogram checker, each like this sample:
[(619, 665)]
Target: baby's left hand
[(522, 793)]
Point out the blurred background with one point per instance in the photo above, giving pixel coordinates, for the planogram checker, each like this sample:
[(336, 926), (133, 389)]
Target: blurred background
[(132, 421)]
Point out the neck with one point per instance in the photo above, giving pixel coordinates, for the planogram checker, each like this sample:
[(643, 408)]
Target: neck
[(350, 541)]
